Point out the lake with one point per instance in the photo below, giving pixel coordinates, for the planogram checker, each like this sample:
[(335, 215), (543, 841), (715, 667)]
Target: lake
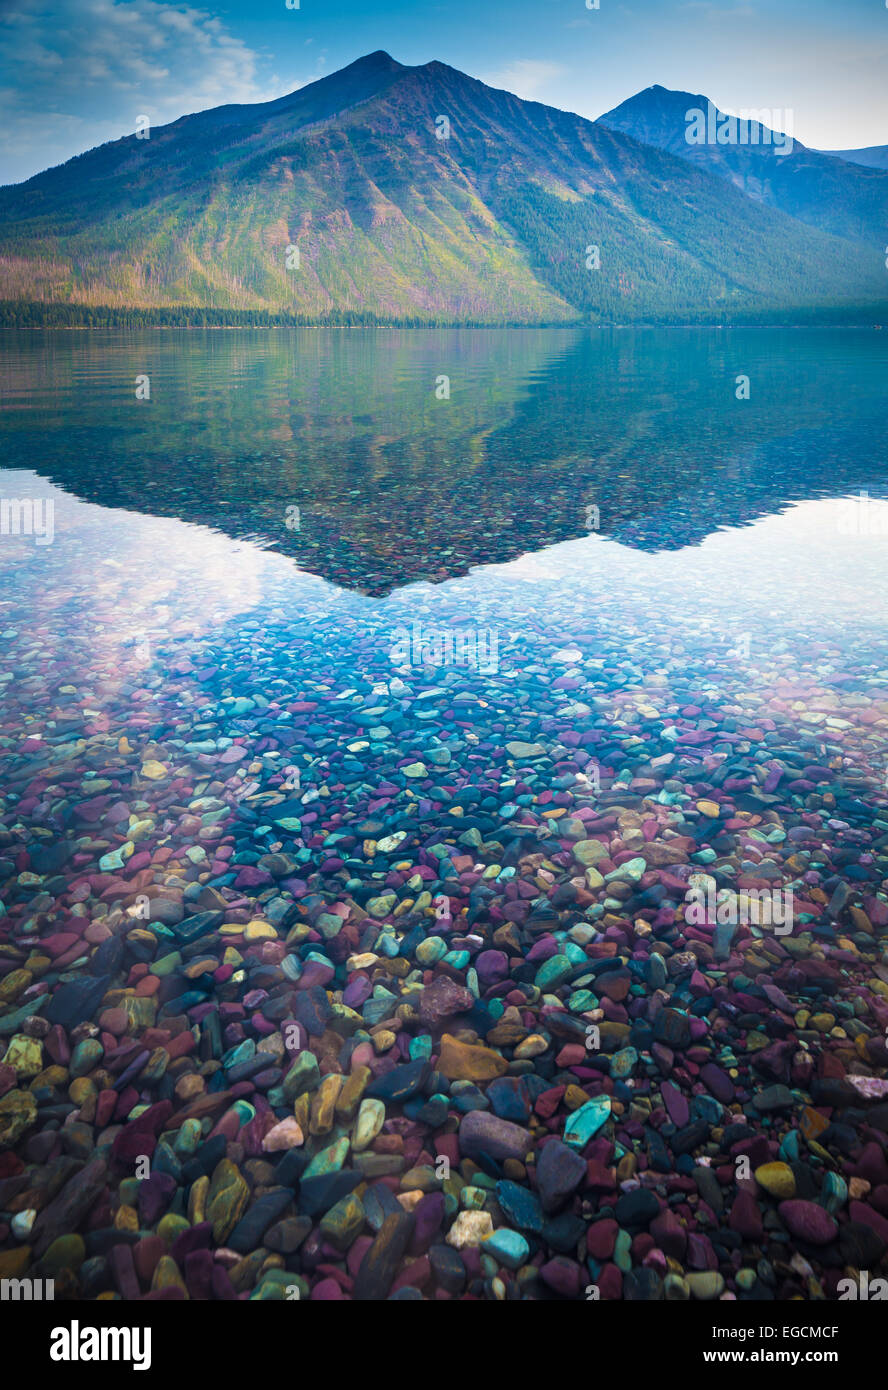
[(336, 663)]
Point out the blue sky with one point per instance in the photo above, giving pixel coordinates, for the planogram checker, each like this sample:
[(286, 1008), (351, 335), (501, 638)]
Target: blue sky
[(78, 72)]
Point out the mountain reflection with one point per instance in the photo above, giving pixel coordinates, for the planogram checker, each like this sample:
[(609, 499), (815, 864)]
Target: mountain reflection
[(376, 458)]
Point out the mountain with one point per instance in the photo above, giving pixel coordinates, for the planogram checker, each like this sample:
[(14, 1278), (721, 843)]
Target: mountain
[(821, 189), (873, 157), (385, 221)]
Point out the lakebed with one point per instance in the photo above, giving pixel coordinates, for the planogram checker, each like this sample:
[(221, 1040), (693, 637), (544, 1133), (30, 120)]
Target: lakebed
[(330, 971)]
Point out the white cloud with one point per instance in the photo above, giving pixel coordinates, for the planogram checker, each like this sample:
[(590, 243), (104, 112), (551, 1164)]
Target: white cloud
[(79, 72), (526, 77)]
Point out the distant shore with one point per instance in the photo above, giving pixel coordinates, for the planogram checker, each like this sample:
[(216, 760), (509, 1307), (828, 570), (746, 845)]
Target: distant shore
[(82, 317)]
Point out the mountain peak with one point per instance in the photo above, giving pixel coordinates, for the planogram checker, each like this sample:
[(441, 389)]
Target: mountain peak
[(377, 59), (655, 96)]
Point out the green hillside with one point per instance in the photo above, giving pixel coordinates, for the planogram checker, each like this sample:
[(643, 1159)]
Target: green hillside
[(392, 224)]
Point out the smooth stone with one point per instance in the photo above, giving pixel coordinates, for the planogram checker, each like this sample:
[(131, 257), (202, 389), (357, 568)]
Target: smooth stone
[(507, 1247), (559, 1172), (481, 1132), (776, 1178), (585, 1122), (808, 1222), (460, 1061)]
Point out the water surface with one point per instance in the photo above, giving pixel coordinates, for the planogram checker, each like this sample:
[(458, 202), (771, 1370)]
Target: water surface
[(669, 609)]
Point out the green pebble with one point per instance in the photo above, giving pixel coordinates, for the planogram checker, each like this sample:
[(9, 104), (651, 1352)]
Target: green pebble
[(630, 872), (508, 1248), (188, 1138), (304, 1075), (458, 959), (554, 972), (585, 1123), (433, 949), (330, 1159), (166, 965), (473, 1198), (112, 861), (170, 1226), (623, 1252), (343, 1223), (623, 1063), (834, 1193), (582, 1001)]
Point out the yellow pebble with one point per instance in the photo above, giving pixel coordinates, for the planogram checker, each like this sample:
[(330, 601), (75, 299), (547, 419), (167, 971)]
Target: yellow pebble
[(259, 931)]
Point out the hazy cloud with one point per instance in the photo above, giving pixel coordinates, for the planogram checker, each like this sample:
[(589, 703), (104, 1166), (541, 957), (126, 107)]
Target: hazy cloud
[(79, 72), (526, 77)]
